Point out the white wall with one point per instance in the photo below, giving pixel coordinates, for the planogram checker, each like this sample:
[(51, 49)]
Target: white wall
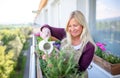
[(83, 6), (67, 6), (57, 12)]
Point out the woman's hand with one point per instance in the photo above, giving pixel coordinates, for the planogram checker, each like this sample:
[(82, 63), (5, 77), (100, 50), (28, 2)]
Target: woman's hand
[(44, 57)]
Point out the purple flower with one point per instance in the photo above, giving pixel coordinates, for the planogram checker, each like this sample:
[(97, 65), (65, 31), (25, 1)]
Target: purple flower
[(101, 46), (57, 45)]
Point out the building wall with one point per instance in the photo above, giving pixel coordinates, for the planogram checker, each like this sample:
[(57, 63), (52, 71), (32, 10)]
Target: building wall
[(57, 12)]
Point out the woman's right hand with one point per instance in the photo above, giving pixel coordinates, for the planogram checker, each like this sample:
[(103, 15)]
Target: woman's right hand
[(44, 57)]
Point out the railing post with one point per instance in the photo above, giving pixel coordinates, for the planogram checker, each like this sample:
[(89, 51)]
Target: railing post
[(32, 59)]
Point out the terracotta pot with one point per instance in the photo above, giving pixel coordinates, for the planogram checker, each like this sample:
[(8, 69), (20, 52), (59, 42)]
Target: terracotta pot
[(114, 69)]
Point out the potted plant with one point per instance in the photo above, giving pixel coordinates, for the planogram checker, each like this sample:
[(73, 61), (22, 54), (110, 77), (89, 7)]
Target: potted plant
[(106, 60), (56, 64)]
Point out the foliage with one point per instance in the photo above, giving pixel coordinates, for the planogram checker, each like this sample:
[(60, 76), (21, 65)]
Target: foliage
[(101, 52), (19, 73), (14, 39), (16, 45), (11, 45), (25, 45), (26, 30), (58, 64), (6, 62), (7, 35), (39, 39), (111, 58), (19, 68)]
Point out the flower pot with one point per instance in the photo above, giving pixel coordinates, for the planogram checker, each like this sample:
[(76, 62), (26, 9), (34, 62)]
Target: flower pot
[(38, 69), (113, 69)]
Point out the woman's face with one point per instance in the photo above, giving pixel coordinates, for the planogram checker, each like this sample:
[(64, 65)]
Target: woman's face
[(74, 28)]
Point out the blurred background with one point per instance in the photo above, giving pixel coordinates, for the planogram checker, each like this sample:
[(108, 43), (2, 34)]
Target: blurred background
[(20, 19)]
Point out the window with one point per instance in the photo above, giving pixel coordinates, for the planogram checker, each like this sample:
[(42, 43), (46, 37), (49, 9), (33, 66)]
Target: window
[(108, 24)]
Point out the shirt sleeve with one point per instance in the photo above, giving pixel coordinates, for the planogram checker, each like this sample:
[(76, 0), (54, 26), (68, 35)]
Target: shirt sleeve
[(87, 56)]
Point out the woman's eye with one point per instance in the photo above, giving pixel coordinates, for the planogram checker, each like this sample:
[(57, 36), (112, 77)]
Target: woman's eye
[(75, 25), (69, 26)]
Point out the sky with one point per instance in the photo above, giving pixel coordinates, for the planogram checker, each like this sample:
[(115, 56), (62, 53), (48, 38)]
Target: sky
[(20, 11), (17, 11), (107, 9)]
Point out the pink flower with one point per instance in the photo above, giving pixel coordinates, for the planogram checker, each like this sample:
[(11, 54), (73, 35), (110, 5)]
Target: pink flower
[(101, 46), (37, 34)]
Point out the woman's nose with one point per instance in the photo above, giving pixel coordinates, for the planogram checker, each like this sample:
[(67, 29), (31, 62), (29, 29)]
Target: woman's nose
[(72, 28)]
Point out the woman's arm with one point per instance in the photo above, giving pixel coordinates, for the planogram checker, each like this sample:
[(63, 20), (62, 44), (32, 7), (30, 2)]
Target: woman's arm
[(86, 57)]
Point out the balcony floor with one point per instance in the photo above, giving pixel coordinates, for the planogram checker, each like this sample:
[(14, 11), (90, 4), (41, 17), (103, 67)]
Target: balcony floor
[(98, 72)]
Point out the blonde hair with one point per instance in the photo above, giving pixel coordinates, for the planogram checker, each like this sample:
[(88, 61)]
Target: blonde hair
[(85, 35)]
